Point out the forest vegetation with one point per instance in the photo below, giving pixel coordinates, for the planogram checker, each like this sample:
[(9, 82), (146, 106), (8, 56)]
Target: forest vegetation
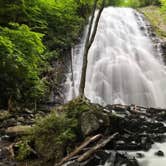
[(33, 33)]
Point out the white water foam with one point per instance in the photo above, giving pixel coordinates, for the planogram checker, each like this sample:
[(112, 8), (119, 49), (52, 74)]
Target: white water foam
[(123, 66)]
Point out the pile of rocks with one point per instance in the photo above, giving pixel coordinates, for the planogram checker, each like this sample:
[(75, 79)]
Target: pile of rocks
[(14, 125), (137, 127)]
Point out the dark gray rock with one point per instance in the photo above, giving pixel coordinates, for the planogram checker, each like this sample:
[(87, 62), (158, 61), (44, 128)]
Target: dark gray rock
[(140, 155), (159, 153)]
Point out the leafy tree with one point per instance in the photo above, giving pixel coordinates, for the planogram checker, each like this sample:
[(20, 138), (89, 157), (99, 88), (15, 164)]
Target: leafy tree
[(135, 3), (39, 29), (20, 63), (89, 40), (163, 5), (60, 21)]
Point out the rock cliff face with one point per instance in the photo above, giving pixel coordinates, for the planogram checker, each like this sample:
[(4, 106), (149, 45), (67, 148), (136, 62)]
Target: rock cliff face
[(155, 21), (158, 42)]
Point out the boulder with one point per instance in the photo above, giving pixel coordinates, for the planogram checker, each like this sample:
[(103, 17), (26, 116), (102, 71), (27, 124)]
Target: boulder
[(89, 123), (92, 121), (159, 153), (139, 155)]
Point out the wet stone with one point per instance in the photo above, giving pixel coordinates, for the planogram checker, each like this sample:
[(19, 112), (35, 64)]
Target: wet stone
[(140, 155), (89, 123), (103, 155), (159, 153)]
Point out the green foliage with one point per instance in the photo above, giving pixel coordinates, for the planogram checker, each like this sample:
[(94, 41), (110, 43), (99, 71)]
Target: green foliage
[(63, 25), (60, 21), (157, 18), (40, 31), (75, 107), (20, 63), (52, 135), (163, 5), (55, 134), (134, 3), (24, 150)]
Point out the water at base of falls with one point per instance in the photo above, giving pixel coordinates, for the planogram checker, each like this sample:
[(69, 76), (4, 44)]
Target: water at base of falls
[(150, 159), (122, 63)]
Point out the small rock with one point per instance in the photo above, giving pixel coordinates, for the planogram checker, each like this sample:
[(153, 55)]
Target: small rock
[(5, 137), (28, 111), (159, 153), (142, 28), (21, 119), (140, 155), (4, 153), (120, 142), (103, 155), (19, 123), (11, 122)]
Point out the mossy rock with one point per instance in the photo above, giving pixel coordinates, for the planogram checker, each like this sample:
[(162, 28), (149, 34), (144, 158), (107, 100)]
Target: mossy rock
[(92, 121), (157, 19), (55, 134), (4, 115)]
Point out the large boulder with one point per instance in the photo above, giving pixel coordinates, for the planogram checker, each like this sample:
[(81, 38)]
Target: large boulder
[(92, 121)]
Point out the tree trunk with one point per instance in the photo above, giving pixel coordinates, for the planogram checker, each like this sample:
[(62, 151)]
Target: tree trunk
[(89, 40), (72, 74), (100, 145), (79, 148), (10, 104)]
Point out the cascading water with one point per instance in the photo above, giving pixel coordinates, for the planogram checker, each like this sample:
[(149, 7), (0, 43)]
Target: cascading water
[(123, 66)]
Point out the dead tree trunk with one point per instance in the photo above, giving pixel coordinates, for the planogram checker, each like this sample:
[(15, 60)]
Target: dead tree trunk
[(89, 40), (78, 149), (10, 104), (100, 145)]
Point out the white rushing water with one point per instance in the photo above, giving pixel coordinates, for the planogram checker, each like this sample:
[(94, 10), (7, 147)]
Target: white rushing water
[(123, 67), (150, 159)]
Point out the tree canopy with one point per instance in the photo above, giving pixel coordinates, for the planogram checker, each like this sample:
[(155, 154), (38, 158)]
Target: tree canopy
[(30, 31)]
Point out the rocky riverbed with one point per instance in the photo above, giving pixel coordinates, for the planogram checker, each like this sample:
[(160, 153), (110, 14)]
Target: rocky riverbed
[(115, 135), (13, 126), (137, 129)]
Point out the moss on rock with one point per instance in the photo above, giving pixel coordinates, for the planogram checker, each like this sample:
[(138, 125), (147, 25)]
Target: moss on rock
[(57, 134), (157, 18), (53, 135)]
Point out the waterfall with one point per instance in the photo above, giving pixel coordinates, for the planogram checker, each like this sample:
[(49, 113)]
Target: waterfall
[(123, 66)]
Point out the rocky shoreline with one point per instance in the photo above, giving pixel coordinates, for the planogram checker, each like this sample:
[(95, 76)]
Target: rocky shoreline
[(137, 128), (13, 126)]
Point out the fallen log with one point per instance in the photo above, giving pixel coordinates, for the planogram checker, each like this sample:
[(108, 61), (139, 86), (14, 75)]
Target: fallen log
[(18, 130), (77, 150), (90, 152)]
